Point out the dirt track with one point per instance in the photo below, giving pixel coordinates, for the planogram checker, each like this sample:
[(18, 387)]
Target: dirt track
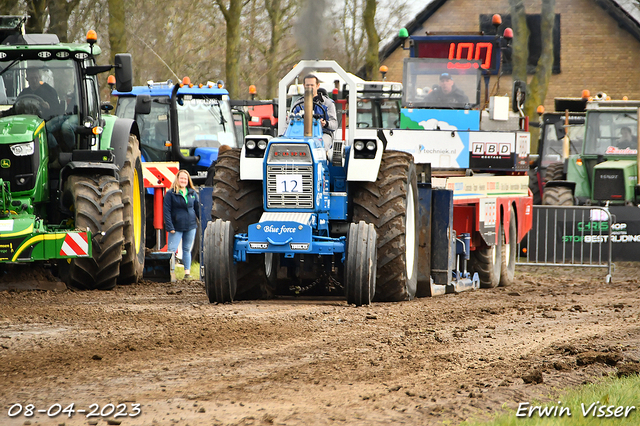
[(311, 361)]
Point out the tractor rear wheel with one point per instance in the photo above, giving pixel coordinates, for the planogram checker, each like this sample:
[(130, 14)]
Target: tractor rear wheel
[(509, 251), (360, 264), (390, 204), (97, 203), (195, 250), (220, 278), (555, 171), (535, 187), (487, 262), (131, 184), (240, 202), (557, 196)]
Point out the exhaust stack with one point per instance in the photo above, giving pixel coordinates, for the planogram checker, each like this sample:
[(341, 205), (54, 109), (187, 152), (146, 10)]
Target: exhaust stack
[(308, 112)]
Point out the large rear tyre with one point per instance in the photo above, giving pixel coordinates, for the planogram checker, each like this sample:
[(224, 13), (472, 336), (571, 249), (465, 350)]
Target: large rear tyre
[(534, 186), (132, 186), (557, 196), (220, 277), (97, 203), (390, 204), (360, 264), (195, 250), (555, 171), (509, 251), (240, 202), (487, 262)]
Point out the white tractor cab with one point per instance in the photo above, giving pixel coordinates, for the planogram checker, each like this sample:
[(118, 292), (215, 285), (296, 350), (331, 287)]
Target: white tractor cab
[(358, 171), (379, 102)]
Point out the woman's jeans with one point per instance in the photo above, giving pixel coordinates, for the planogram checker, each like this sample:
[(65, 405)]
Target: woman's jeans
[(187, 244)]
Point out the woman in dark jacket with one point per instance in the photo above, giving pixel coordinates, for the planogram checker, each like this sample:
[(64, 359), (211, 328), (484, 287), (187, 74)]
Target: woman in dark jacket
[(181, 214)]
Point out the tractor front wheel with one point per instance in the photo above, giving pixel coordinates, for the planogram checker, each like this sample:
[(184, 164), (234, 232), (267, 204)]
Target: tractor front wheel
[(509, 251), (360, 264), (97, 203), (240, 203), (487, 262), (220, 277)]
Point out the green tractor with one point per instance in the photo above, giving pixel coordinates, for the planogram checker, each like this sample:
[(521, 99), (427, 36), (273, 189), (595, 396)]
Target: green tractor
[(71, 186), (606, 171)]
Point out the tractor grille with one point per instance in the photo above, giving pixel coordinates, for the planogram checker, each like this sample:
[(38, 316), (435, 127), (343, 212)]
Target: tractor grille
[(299, 200), (608, 185), (19, 171)]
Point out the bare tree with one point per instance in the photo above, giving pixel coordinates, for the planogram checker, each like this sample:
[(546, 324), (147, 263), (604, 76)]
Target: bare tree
[(520, 43), (12, 7), (59, 12), (232, 13), (38, 16), (349, 41), (350, 35), (117, 25), (373, 40), (539, 84)]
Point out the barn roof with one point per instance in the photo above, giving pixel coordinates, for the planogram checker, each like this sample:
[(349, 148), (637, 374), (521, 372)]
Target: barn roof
[(625, 12)]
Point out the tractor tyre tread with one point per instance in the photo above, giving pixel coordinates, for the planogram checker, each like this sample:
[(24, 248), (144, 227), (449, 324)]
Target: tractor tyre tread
[(240, 202), (220, 271), (534, 187), (132, 265), (509, 252), (360, 265), (98, 207), (384, 204), (558, 196), (555, 171), (487, 262)]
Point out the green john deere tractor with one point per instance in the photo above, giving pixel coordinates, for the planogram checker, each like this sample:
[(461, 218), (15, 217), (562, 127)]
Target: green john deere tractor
[(71, 187)]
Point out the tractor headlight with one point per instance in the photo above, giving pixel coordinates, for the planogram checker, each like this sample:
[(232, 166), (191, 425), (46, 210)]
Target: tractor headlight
[(371, 145), (251, 144), (359, 145), (23, 149), (262, 144)]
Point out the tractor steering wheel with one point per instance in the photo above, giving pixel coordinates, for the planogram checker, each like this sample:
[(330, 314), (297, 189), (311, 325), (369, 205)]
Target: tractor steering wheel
[(322, 108), (30, 104)]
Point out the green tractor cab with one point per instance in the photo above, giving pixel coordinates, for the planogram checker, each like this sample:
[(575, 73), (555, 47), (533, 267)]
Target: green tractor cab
[(70, 176)]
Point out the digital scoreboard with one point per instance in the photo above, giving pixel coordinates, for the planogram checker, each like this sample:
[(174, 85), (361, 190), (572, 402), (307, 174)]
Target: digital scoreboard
[(485, 49)]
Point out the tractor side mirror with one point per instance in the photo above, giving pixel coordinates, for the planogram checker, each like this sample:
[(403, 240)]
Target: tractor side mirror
[(124, 72), (560, 131), (143, 105), (518, 96)]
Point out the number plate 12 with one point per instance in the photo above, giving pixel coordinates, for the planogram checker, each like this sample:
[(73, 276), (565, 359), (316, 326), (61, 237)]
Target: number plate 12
[(288, 183)]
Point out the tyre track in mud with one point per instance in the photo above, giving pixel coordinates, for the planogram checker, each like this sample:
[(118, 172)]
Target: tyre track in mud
[(312, 361)]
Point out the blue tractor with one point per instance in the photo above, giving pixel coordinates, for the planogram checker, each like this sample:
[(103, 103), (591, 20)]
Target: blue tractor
[(181, 122), (290, 214)]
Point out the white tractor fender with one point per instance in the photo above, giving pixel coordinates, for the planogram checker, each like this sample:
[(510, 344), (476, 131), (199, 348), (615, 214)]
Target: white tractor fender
[(251, 168), (365, 169)]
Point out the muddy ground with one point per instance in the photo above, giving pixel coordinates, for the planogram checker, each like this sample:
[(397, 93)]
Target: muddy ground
[(306, 361)]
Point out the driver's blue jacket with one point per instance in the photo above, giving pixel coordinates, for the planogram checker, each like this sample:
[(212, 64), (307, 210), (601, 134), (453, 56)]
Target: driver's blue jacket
[(327, 108)]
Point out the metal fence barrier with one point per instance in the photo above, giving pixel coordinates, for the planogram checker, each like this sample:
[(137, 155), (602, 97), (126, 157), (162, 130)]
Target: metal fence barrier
[(568, 236)]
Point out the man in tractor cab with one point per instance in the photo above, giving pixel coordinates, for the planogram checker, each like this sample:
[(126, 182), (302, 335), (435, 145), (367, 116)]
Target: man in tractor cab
[(38, 87), (447, 92), (42, 99), (627, 140), (323, 106)]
